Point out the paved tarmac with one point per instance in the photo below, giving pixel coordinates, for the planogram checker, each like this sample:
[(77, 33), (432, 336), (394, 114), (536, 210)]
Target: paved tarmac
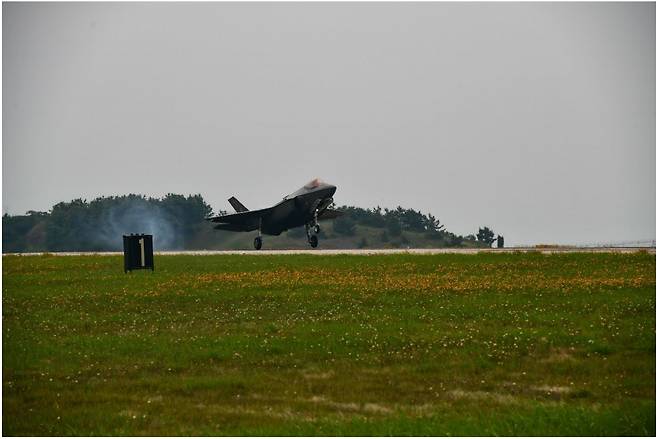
[(413, 251)]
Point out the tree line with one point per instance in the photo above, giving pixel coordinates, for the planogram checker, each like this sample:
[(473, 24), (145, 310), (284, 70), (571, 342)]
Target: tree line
[(99, 225), (399, 220), (176, 220)]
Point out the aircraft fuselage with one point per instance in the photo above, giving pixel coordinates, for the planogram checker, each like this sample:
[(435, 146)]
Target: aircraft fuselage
[(297, 211)]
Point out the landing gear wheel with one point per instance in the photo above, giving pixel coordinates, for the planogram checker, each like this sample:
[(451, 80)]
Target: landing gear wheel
[(313, 240), (258, 242), (316, 229)]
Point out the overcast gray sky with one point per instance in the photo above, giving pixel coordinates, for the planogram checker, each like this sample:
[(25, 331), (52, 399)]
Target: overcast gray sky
[(537, 119)]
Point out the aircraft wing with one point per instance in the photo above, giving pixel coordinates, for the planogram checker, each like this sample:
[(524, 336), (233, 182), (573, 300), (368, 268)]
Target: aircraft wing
[(241, 221), (329, 214)]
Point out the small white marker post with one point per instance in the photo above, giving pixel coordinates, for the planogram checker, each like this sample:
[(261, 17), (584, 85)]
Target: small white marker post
[(141, 247)]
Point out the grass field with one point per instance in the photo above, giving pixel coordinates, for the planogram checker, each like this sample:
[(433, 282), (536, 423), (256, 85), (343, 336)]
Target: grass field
[(488, 344)]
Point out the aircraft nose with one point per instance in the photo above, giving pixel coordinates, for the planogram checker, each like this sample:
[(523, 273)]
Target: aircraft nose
[(332, 190)]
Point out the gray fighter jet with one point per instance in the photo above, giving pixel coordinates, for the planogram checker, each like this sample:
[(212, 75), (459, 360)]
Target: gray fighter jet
[(304, 207)]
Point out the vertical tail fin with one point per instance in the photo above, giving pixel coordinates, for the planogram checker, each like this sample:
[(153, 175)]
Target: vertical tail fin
[(238, 206)]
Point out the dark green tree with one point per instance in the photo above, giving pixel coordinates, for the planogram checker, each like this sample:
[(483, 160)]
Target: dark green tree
[(453, 240), (393, 227), (345, 225), (24, 232), (485, 235), (297, 233)]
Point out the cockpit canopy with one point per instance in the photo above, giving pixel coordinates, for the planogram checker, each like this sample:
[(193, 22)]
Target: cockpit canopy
[(316, 182), (313, 184)]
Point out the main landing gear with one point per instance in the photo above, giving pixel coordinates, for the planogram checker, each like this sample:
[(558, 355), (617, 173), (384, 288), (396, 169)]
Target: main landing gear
[(258, 240)]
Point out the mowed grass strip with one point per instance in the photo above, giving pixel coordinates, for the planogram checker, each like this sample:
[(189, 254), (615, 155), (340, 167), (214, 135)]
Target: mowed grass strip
[(487, 344)]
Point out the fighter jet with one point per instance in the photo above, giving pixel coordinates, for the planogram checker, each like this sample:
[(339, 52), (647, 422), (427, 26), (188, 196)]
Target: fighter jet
[(304, 207)]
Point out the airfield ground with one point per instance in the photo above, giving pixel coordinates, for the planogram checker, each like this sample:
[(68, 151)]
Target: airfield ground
[(375, 251), (483, 344)]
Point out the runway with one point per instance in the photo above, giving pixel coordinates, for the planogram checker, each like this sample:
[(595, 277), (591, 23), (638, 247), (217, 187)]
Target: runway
[(331, 252)]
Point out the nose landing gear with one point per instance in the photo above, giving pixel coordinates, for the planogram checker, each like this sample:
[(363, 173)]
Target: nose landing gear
[(312, 230)]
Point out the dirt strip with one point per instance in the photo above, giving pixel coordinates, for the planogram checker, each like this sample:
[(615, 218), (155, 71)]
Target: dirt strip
[(413, 251)]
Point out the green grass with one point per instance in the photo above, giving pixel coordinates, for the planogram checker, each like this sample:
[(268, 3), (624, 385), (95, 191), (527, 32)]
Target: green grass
[(487, 344)]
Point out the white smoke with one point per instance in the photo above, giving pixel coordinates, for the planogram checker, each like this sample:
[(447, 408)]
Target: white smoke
[(136, 216)]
